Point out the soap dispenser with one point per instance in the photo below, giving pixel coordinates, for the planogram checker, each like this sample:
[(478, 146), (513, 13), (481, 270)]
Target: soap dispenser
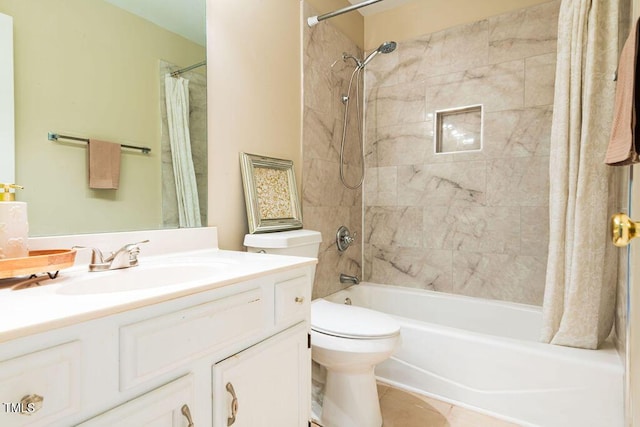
[(14, 227)]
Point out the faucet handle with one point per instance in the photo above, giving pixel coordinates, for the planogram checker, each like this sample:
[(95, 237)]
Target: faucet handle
[(344, 238), (349, 239), (140, 242), (132, 246), (131, 249), (134, 250)]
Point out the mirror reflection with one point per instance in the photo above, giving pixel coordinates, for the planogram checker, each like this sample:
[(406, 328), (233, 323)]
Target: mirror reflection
[(91, 69)]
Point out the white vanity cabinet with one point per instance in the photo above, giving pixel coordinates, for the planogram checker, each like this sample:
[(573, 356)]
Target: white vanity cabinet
[(169, 363)]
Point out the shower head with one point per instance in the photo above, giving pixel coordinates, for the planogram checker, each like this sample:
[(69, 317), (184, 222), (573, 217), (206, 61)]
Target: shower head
[(386, 47)]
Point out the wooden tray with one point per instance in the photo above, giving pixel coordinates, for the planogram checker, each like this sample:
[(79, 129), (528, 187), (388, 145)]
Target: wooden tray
[(45, 261)]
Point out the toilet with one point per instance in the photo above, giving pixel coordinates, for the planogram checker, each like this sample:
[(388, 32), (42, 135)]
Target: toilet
[(305, 243), (347, 340)]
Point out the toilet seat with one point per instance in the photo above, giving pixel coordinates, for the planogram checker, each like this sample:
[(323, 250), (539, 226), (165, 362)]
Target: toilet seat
[(347, 321)]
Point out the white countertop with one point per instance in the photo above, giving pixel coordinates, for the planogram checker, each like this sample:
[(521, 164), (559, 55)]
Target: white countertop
[(54, 304)]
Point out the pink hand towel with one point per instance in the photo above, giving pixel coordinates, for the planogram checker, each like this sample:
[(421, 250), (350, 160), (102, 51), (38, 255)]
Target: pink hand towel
[(104, 164), (624, 146)]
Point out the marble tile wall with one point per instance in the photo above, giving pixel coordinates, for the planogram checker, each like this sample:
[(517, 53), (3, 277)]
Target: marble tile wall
[(472, 223), (326, 203)]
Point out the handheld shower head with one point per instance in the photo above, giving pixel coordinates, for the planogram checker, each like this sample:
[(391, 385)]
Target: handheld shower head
[(386, 47)]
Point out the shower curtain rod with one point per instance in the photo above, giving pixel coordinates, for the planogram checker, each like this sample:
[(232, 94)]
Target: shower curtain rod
[(313, 20), (189, 68)]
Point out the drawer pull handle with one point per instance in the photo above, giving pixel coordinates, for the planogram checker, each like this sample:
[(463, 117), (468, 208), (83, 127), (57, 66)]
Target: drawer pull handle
[(234, 405), (30, 404), (187, 414), (299, 300)]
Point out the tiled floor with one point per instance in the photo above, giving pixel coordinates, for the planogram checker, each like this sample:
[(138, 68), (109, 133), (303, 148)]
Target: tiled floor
[(404, 409)]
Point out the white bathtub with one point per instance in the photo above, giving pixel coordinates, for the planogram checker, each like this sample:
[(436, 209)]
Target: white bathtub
[(484, 355)]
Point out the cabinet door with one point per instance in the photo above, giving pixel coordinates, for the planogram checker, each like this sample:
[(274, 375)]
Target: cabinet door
[(267, 385), (167, 406)]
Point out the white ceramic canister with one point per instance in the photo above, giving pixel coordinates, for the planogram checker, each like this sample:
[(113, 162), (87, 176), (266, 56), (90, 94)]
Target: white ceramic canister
[(14, 226)]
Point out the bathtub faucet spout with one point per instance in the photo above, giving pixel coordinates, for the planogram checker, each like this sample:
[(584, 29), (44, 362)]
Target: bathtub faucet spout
[(353, 280)]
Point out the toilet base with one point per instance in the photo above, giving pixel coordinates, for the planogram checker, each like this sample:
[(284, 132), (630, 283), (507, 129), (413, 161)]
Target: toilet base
[(351, 400)]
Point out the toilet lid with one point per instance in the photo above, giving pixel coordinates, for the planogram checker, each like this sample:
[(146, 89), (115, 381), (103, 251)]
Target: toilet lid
[(349, 321)]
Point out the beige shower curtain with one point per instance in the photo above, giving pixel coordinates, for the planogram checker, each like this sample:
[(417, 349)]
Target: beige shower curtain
[(177, 101), (579, 300)]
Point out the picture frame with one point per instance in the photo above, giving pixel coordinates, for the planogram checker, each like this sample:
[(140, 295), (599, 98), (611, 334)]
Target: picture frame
[(270, 194)]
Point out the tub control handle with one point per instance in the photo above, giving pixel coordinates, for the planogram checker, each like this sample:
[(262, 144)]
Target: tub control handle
[(344, 238), (234, 405)]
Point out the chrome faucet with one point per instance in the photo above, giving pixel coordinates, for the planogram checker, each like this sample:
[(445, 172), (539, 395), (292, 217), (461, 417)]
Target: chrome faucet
[(353, 280), (125, 257)]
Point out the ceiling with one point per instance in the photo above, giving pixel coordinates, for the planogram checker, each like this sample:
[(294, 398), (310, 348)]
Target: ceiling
[(378, 7), (188, 17), (184, 17)]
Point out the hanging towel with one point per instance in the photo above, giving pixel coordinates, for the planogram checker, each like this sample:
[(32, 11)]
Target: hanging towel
[(624, 145), (104, 164)]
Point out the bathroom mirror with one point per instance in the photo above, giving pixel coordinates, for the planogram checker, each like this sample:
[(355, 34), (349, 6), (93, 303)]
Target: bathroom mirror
[(7, 164), (91, 69)]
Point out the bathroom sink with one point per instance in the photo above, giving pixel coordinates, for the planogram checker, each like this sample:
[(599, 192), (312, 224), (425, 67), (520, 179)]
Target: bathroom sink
[(142, 277)]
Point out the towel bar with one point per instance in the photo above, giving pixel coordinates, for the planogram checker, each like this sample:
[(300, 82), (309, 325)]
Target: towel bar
[(55, 136)]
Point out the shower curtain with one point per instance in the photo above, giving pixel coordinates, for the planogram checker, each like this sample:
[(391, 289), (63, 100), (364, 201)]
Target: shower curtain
[(579, 300), (177, 101)]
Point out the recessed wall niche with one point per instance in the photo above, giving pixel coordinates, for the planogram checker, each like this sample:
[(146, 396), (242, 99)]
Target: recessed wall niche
[(458, 129)]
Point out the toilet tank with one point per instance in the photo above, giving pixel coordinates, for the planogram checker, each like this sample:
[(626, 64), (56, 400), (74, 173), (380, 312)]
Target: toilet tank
[(304, 243)]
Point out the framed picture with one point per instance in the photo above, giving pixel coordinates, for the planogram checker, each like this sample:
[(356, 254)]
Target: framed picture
[(270, 194)]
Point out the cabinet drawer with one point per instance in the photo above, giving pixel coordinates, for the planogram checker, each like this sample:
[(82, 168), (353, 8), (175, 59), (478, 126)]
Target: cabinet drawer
[(292, 300), (52, 375), (160, 344), (169, 405)]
